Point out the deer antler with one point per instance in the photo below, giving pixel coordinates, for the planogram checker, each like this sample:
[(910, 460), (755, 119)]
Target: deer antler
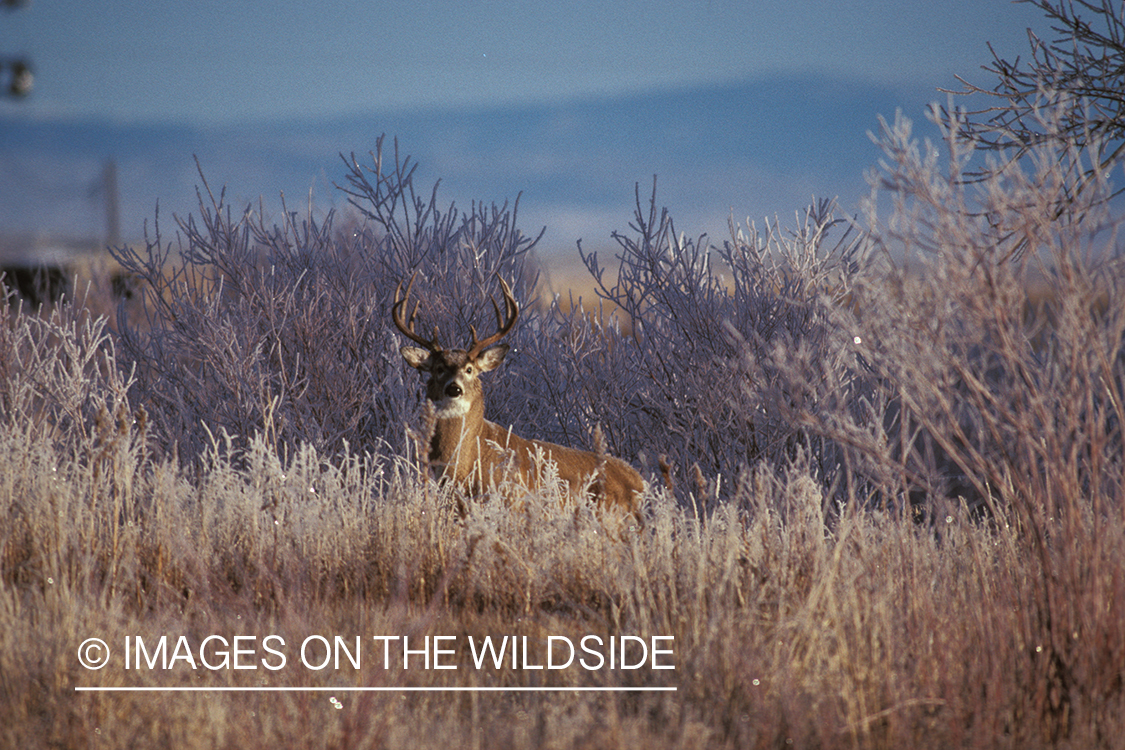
[(511, 313), (407, 327)]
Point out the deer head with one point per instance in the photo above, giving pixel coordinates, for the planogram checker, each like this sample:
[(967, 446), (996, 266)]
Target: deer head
[(454, 386)]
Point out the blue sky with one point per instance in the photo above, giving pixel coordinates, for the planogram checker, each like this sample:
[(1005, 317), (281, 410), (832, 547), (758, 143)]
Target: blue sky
[(225, 61), (743, 108)]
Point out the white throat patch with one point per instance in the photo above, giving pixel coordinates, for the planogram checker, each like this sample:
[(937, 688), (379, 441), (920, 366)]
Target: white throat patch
[(448, 408)]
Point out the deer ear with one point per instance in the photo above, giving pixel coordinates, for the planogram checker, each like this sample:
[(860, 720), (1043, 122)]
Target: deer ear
[(490, 359), (417, 358)]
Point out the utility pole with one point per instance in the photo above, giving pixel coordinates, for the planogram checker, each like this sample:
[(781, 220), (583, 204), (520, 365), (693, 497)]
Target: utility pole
[(112, 212), (16, 75)]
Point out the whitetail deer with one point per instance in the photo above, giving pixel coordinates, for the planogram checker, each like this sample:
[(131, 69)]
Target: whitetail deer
[(477, 454)]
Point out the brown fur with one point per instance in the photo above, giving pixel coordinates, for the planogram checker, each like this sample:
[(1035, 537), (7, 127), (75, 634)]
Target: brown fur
[(478, 454)]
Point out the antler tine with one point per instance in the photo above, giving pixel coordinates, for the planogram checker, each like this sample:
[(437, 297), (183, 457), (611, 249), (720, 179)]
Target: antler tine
[(512, 313), (407, 327)]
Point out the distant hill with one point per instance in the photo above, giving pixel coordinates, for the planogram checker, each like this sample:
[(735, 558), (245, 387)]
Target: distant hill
[(758, 148)]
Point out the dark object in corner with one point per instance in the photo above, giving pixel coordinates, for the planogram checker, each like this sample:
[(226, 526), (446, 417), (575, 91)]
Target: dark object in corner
[(36, 284)]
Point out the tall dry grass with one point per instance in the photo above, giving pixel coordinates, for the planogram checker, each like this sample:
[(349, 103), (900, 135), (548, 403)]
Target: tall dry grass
[(897, 516)]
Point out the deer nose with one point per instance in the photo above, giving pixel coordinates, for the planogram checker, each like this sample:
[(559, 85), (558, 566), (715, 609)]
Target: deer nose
[(453, 390)]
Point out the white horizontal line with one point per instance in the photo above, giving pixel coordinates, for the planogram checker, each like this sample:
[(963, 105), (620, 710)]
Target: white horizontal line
[(372, 689)]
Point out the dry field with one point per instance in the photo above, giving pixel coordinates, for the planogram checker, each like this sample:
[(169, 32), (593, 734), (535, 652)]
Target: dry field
[(870, 632)]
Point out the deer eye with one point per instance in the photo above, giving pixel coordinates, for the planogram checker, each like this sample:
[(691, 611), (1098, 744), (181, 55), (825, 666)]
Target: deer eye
[(468, 369)]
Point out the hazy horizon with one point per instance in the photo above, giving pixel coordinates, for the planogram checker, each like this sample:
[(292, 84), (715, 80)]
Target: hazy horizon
[(570, 105)]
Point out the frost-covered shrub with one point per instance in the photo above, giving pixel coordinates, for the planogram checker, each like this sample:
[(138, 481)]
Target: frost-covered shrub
[(1006, 346), (284, 328), (61, 379), (716, 332)]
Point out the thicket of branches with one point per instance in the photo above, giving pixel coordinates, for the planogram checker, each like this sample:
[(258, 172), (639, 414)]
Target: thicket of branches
[(285, 330), (781, 344), (1078, 77)]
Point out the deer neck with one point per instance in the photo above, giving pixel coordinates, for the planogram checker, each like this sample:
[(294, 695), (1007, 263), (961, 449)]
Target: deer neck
[(456, 438)]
